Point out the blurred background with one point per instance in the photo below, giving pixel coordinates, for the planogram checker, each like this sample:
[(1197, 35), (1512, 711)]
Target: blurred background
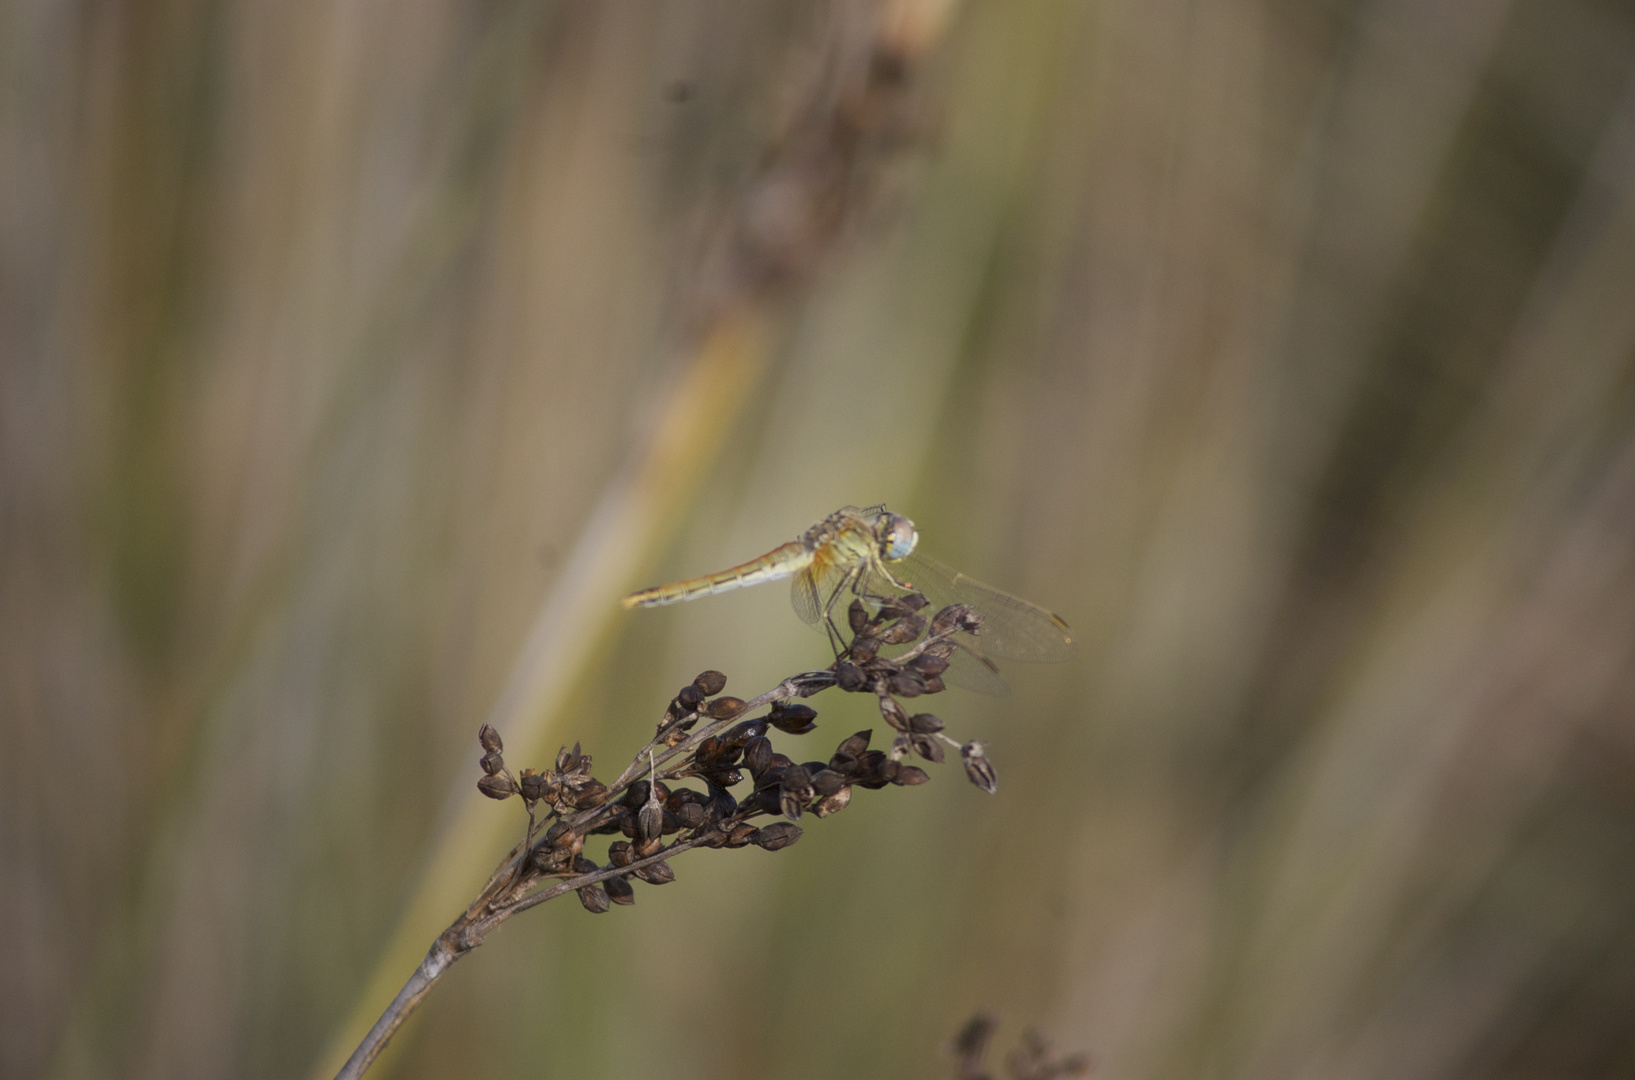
[(1287, 349)]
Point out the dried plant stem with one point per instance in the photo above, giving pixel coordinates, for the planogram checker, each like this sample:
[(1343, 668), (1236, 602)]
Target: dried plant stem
[(500, 899)]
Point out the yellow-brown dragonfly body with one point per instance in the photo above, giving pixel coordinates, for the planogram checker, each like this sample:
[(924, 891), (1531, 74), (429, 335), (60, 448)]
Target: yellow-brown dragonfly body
[(872, 555)]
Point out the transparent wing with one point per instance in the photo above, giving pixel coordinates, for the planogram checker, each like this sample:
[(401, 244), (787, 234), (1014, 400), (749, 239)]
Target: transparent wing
[(812, 588), (1012, 628)]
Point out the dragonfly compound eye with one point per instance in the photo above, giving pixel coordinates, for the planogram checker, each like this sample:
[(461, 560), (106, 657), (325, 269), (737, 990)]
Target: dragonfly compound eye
[(900, 538)]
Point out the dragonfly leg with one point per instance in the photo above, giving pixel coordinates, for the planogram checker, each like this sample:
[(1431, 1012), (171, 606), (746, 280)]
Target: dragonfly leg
[(836, 638)]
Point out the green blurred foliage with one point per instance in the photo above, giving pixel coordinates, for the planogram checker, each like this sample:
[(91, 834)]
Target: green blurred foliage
[(1284, 348)]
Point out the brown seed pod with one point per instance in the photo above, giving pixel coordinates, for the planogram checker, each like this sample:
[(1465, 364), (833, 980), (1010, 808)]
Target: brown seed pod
[(619, 891), (711, 682), (777, 836), (497, 787), (490, 739), (492, 763), (658, 873), (725, 708), (978, 768)]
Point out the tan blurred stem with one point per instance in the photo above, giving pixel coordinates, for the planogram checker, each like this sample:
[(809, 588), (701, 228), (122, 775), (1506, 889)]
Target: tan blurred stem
[(577, 616)]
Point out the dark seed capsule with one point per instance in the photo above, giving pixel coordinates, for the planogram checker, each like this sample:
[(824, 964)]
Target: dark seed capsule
[(692, 815), (646, 848), (849, 677), (690, 697), (948, 619), (722, 804), (497, 787), (833, 803), (894, 714), (904, 630), (792, 713), (619, 853), (777, 836), (619, 891), (582, 865), (928, 748), (592, 794), (934, 684), (795, 725), (910, 776), (857, 616), (532, 786), (907, 683), (490, 739), (712, 682), (977, 766), (826, 782), (758, 755), (650, 822), (739, 734), (658, 873), (924, 724), (725, 708), (492, 762), (595, 899), (864, 649), (742, 835), (914, 601), (929, 665), (856, 744)]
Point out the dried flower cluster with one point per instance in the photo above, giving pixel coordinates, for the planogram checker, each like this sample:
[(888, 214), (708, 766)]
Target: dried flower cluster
[(704, 737), (1033, 1060)]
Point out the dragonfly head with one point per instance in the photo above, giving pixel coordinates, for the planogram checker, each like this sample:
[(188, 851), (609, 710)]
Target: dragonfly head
[(897, 537)]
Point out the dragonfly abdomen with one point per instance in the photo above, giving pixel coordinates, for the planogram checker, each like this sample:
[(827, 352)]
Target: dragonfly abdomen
[(781, 562)]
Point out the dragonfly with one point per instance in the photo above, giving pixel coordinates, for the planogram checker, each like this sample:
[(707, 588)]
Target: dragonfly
[(873, 555)]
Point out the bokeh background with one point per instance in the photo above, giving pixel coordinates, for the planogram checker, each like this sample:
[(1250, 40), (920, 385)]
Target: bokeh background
[(1285, 347)]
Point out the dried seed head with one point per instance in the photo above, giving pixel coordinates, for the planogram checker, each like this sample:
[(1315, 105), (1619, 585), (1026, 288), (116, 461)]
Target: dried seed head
[(927, 747), (928, 665), (658, 873), (739, 735), (948, 619), (492, 763), (690, 697), (758, 755), (910, 776), (826, 782), (849, 677), (794, 719), (532, 786), (722, 804), (907, 683), (924, 724), (795, 791), (645, 849), (619, 853), (497, 787), (692, 815), (619, 891), (833, 803), (864, 649), (854, 745), (742, 835), (710, 682), (650, 821), (934, 684), (906, 629), (595, 899), (894, 714), (977, 766), (591, 794), (913, 601), (490, 739), (857, 616), (777, 836), (725, 708)]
